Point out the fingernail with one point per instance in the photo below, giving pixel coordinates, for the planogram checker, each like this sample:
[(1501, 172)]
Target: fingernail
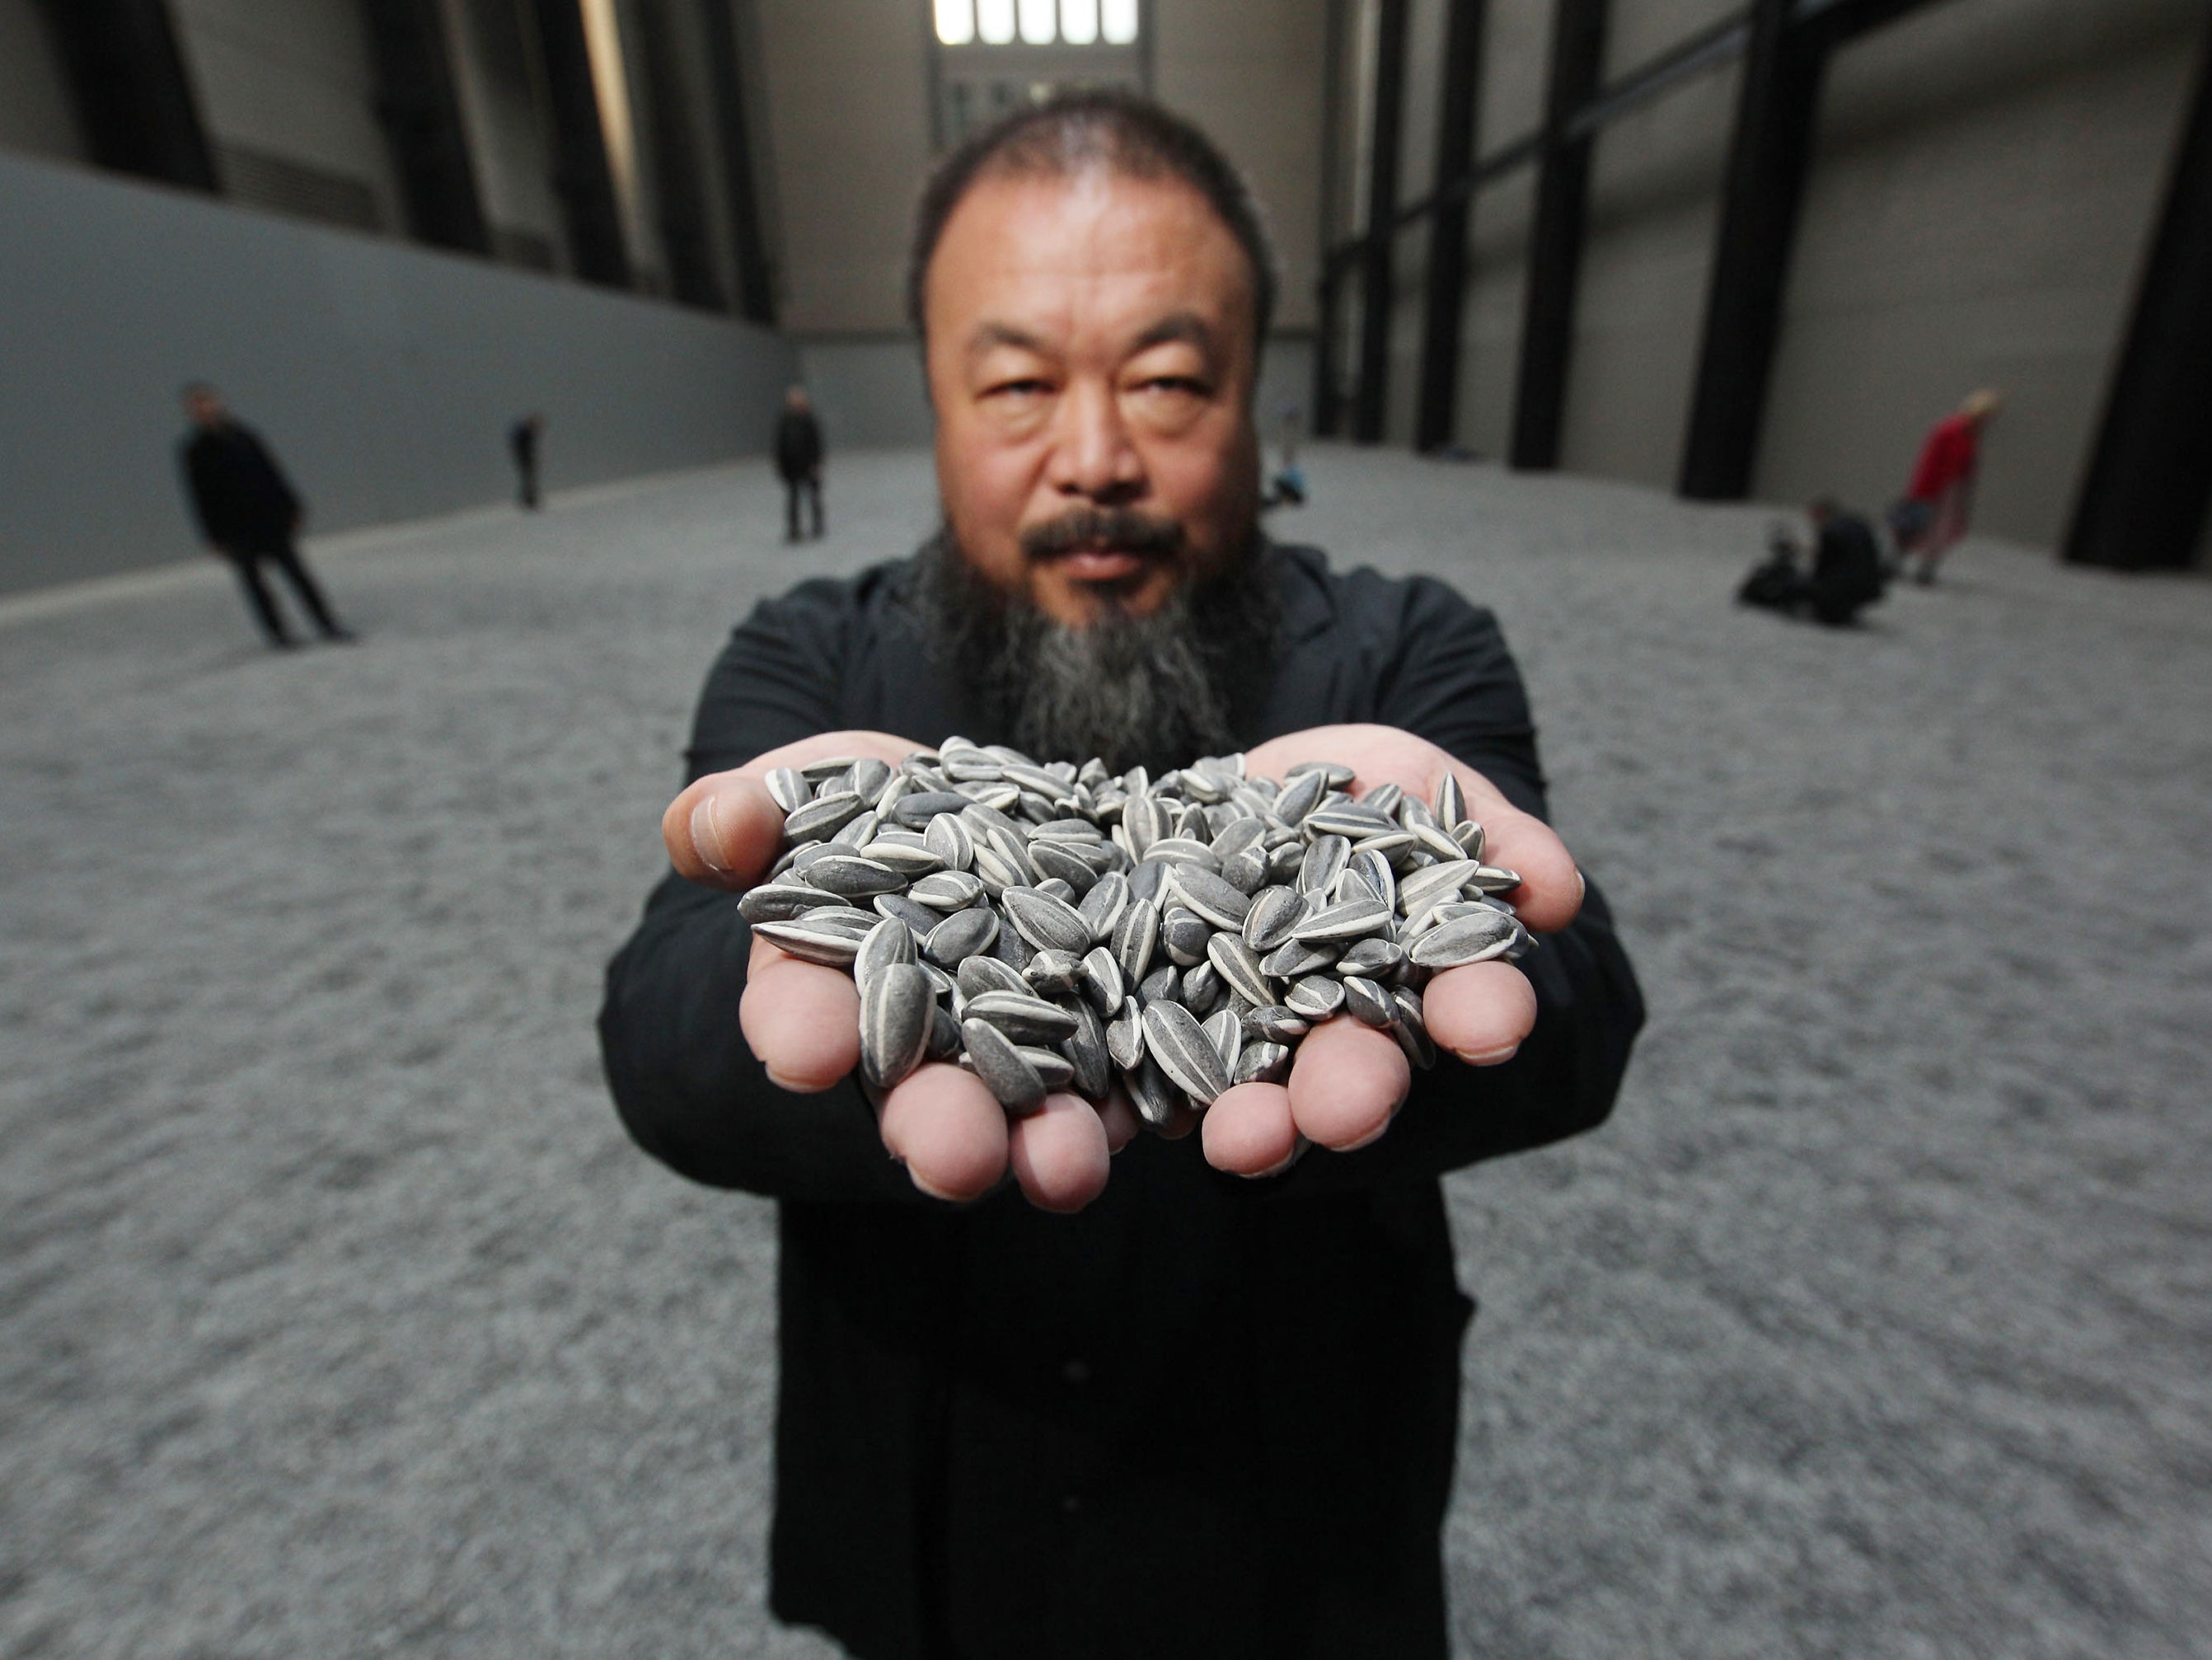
[(1489, 1057), (707, 834), (1582, 889), (1368, 1139)]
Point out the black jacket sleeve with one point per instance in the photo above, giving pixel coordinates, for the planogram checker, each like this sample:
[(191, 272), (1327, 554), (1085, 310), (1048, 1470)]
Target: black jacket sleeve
[(1452, 681), (686, 1083)]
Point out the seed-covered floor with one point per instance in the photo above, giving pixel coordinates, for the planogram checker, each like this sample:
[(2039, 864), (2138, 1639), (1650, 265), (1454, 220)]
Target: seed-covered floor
[(338, 1316)]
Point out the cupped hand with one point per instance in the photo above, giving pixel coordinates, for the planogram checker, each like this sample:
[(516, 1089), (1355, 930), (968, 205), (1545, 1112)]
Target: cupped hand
[(802, 1019), (1348, 1080)]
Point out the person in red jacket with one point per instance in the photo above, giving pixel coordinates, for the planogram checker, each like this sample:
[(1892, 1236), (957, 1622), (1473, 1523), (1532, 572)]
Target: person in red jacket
[(1934, 513)]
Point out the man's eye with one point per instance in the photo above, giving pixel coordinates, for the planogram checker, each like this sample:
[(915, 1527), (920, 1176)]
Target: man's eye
[(1029, 388), (1190, 386)]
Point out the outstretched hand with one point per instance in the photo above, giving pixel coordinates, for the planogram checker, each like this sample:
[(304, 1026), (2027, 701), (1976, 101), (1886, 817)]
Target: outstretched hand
[(1348, 1080), (803, 1019)]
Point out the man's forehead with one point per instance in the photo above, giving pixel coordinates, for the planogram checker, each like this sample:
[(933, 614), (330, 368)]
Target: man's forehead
[(1021, 248)]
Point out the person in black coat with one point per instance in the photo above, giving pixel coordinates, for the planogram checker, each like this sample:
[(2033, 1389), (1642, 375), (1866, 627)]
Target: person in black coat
[(1052, 1386), (1847, 565), (248, 512), (522, 444), (799, 460)]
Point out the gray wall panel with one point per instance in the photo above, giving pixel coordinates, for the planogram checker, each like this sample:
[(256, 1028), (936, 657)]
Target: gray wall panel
[(383, 375), (1980, 206)]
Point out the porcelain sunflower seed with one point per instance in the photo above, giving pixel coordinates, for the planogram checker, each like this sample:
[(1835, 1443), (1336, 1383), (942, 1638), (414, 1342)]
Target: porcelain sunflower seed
[(832, 947), (1177, 1041), (1275, 1024), (1134, 936), (1012, 1081), (1044, 922), (1104, 907), (1102, 980), (1315, 998), (896, 1008), (889, 944), (1367, 1003), (1024, 1018), (961, 935), (1086, 1049), (1226, 1033), (788, 788), (1464, 940), (1239, 965), (947, 890), (1263, 1063), (779, 902), (1125, 1036), (823, 817)]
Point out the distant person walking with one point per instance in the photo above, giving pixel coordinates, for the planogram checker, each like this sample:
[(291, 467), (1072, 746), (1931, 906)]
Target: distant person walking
[(248, 513), (1938, 502), (522, 440), (799, 460)]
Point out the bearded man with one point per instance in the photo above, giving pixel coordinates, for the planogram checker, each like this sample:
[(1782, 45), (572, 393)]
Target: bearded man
[(1036, 1398)]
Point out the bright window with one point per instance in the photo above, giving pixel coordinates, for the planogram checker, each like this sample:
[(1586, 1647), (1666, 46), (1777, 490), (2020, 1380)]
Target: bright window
[(1036, 22), (956, 21)]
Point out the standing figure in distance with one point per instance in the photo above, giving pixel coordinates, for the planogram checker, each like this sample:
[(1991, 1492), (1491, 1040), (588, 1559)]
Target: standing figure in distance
[(1933, 515), (248, 513), (522, 440), (799, 459)]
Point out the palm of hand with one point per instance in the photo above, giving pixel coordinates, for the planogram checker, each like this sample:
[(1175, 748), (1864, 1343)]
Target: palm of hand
[(802, 1019)]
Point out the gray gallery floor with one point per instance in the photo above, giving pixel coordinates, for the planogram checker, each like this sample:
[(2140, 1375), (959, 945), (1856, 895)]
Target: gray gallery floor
[(337, 1316)]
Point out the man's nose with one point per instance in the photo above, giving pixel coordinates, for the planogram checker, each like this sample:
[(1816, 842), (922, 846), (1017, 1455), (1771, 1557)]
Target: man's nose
[(1092, 455)]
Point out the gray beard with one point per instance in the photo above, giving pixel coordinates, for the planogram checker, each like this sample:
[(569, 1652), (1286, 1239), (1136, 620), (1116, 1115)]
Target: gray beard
[(1158, 690)]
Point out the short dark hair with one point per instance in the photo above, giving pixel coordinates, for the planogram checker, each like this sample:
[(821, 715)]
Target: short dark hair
[(1105, 127)]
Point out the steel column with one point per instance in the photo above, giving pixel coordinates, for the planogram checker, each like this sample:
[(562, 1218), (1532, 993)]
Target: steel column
[(132, 97), (1555, 247), (681, 195), (421, 112), (1458, 112), (2143, 502), (749, 244), (1370, 397), (1768, 161), (581, 176)]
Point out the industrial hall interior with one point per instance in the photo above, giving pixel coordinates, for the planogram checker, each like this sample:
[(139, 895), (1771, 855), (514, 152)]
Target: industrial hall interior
[(1797, 414)]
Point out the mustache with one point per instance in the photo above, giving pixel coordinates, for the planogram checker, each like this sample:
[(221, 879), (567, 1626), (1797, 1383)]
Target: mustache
[(1123, 530)]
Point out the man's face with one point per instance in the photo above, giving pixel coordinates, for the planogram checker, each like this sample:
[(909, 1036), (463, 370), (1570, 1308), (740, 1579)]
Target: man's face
[(1090, 347), (204, 408)]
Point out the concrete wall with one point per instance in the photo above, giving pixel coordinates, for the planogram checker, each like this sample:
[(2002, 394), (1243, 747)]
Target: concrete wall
[(1982, 193), (848, 119), (1654, 214), (1251, 72), (383, 375), (1979, 209)]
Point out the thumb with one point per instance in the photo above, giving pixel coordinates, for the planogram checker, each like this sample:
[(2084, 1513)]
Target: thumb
[(723, 831)]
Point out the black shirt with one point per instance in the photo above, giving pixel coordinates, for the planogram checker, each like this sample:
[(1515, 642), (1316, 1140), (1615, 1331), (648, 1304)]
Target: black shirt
[(1207, 1416), (240, 495), (798, 443)]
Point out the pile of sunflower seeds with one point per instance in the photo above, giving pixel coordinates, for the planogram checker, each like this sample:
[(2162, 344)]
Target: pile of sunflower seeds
[(1054, 927)]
